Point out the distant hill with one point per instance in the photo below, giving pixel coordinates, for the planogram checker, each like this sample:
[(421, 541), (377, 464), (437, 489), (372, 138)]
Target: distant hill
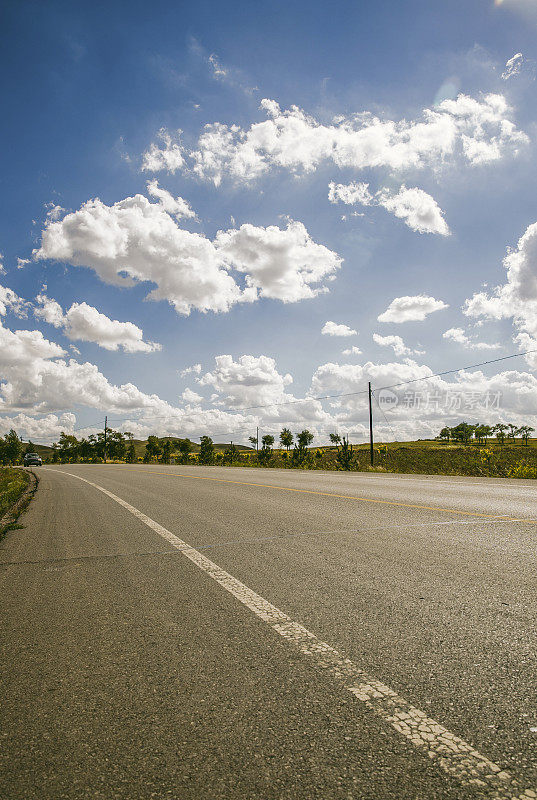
[(42, 450)]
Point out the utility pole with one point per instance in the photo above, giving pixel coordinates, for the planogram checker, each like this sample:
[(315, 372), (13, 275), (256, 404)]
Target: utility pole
[(105, 424), (370, 426), (257, 439)]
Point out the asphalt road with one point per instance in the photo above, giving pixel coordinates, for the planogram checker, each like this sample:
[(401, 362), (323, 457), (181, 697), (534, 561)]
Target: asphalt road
[(132, 668)]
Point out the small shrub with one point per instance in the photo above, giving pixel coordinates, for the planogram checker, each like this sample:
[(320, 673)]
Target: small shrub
[(523, 470)]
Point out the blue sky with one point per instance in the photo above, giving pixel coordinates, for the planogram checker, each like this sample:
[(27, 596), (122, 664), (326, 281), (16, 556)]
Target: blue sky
[(407, 110)]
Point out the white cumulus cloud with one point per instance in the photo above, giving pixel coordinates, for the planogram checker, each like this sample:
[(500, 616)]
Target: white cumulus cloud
[(84, 323), (285, 264), (395, 342), (517, 297), (355, 193), (191, 397), (411, 309), (135, 240), (475, 130), (36, 377), (10, 301), (415, 207), (168, 155), (249, 381), (194, 369), (334, 329), (352, 351), (178, 207), (40, 429), (459, 336)]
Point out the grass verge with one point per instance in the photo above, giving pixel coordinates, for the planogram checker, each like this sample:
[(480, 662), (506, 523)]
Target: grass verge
[(17, 487)]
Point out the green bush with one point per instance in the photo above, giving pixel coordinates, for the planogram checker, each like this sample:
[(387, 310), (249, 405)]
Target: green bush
[(13, 482)]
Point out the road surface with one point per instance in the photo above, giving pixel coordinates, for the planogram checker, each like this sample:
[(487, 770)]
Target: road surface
[(209, 634)]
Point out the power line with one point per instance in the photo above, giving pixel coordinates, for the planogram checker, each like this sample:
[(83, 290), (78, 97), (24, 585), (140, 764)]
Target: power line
[(310, 399), (364, 391), (460, 369)]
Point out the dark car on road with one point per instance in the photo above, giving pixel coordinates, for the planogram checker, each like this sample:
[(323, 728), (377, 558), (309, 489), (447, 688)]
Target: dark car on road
[(32, 460)]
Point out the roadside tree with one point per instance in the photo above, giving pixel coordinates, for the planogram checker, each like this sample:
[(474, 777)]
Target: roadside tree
[(206, 450), (152, 449), (286, 439), (166, 452), (13, 447), (300, 452), (345, 456), (512, 432), (445, 434), (265, 454), (525, 432), (68, 447), (185, 448), (499, 430)]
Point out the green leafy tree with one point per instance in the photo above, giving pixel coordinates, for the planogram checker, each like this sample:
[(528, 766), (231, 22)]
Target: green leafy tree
[(512, 431), (13, 447), (116, 445), (463, 432), (253, 441), (166, 452), (300, 452), (68, 447), (445, 434), (206, 450), (130, 450), (185, 448), (30, 447), (98, 445), (265, 454), (525, 432), (304, 438), (286, 439), (482, 432), (152, 449), (86, 449), (499, 429)]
